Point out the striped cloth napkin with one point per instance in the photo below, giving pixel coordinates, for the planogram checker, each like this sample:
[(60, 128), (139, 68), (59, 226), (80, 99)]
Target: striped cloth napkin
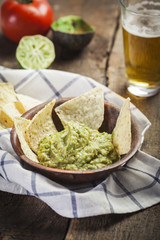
[(134, 186)]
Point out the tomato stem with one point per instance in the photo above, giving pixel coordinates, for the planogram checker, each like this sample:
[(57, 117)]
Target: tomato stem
[(25, 1)]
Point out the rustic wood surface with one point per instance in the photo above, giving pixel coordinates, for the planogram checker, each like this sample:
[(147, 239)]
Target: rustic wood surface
[(26, 217)]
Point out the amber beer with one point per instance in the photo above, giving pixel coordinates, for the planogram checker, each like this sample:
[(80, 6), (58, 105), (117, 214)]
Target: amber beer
[(141, 36), (142, 58)]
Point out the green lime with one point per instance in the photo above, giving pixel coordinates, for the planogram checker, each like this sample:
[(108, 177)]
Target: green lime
[(35, 52)]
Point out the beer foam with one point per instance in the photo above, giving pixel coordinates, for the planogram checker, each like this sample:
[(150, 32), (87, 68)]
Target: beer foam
[(144, 24)]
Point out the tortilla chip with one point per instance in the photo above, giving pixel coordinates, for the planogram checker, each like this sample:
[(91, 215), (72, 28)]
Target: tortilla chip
[(2, 127), (41, 125), (20, 107), (20, 126), (7, 94), (8, 113), (7, 86), (122, 130), (87, 108), (27, 101)]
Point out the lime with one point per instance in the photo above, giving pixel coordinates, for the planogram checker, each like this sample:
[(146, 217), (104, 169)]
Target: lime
[(35, 52)]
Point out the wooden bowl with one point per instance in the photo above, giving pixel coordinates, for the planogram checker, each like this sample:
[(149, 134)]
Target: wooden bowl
[(111, 113)]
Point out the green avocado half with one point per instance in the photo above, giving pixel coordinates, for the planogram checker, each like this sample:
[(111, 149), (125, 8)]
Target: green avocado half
[(72, 32)]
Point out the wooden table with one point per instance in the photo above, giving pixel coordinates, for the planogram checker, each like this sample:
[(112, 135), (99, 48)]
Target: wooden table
[(26, 217)]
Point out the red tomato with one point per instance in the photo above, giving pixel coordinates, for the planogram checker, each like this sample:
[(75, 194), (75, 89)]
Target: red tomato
[(20, 19)]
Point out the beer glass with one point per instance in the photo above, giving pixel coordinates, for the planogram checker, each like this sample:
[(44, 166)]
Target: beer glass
[(141, 38)]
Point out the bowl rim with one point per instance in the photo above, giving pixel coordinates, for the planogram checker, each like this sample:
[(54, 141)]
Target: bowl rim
[(125, 158)]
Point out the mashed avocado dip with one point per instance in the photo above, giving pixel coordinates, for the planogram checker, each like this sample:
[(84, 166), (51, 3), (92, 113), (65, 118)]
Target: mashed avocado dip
[(72, 24), (77, 147)]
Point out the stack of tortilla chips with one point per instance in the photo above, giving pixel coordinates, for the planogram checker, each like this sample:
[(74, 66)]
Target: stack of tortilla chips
[(13, 105)]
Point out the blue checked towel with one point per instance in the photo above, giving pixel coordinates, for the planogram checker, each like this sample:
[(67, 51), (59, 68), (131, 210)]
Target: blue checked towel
[(133, 187)]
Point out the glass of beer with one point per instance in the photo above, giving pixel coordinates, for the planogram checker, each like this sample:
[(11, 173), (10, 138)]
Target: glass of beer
[(141, 38)]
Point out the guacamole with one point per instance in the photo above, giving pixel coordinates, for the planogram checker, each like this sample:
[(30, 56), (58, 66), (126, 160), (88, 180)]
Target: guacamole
[(72, 24), (77, 147)]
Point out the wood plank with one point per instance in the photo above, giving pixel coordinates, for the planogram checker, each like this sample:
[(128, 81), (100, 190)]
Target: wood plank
[(141, 225), (26, 217)]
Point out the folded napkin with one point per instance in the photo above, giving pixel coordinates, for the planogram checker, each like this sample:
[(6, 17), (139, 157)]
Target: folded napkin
[(132, 187)]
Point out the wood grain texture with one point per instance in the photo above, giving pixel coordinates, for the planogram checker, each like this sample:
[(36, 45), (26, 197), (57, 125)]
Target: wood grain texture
[(28, 218), (117, 226)]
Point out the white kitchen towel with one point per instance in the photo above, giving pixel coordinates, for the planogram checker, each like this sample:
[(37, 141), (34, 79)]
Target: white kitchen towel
[(132, 187)]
